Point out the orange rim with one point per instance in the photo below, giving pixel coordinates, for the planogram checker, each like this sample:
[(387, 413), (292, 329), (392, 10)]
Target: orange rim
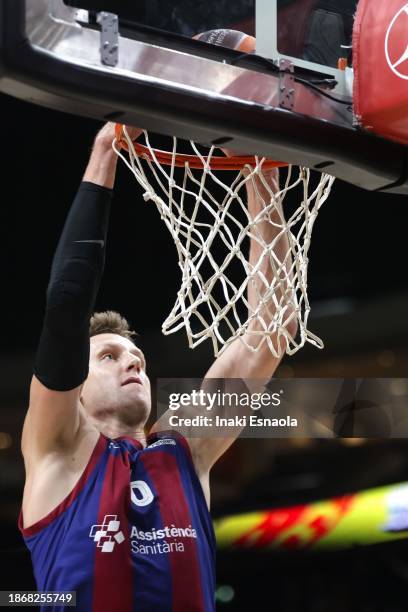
[(180, 160)]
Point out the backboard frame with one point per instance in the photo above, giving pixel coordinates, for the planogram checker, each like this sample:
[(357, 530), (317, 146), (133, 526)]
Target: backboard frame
[(48, 58), (267, 45)]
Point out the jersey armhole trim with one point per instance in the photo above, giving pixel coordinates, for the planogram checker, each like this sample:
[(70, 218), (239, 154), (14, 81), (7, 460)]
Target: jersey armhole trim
[(97, 452)]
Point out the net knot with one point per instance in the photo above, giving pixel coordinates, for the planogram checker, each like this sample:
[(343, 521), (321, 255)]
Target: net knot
[(148, 195)]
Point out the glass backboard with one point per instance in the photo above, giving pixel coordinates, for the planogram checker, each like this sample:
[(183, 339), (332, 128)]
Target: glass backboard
[(316, 32)]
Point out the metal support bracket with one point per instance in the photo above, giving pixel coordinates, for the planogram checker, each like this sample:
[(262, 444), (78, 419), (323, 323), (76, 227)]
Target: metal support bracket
[(82, 16), (286, 84), (109, 23)]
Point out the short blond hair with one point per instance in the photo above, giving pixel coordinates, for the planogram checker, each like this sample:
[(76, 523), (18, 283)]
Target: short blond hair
[(110, 322)]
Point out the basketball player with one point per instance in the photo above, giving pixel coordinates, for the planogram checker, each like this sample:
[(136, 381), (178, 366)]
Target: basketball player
[(120, 518)]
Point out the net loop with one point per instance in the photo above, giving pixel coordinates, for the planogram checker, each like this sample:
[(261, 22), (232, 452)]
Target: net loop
[(242, 251)]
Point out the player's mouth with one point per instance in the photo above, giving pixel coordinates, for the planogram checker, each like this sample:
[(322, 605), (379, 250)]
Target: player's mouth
[(132, 379)]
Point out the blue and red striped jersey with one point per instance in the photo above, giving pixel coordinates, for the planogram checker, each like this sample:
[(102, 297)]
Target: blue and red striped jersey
[(134, 534)]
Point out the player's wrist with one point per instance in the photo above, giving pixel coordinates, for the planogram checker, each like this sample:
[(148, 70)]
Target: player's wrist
[(101, 168), (105, 137)]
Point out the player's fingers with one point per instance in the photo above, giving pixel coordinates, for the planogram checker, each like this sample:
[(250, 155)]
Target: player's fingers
[(133, 132)]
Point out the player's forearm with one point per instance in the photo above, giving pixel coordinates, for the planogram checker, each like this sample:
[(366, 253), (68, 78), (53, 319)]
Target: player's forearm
[(63, 354), (274, 267), (101, 169), (267, 231)]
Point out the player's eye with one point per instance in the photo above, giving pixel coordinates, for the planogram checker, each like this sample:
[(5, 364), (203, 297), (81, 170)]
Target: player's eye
[(107, 356)]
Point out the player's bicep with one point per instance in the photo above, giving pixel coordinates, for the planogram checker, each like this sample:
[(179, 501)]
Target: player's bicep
[(52, 420)]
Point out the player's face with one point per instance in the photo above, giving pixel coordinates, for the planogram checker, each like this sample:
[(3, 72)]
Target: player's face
[(117, 380)]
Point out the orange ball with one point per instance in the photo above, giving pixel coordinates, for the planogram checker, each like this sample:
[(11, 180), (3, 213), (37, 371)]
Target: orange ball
[(233, 39)]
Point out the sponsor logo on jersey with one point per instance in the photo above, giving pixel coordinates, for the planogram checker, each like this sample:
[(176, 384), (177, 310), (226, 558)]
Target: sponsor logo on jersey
[(161, 443), (140, 493), (107, 535), (161, 541), (165, 532), (168, 538)]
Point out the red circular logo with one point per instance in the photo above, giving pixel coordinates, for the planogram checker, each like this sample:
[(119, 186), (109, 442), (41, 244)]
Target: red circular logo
[(396, 43)]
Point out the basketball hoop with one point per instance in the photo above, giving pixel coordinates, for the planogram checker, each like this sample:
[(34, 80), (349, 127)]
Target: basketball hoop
[(213, 235), (194, 161)]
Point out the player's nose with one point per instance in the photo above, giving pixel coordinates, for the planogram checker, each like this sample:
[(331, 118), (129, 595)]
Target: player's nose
[(133, 363)]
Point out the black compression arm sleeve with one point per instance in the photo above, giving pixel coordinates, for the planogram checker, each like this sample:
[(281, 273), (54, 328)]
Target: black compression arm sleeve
[(62, 359)]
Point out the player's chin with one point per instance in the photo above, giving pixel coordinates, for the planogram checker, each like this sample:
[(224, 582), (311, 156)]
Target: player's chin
[(143, 409), (138, 393), (135, 408), (134, 389)]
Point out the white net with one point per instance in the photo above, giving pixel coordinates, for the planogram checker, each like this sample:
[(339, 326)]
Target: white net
[(243, 259)]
